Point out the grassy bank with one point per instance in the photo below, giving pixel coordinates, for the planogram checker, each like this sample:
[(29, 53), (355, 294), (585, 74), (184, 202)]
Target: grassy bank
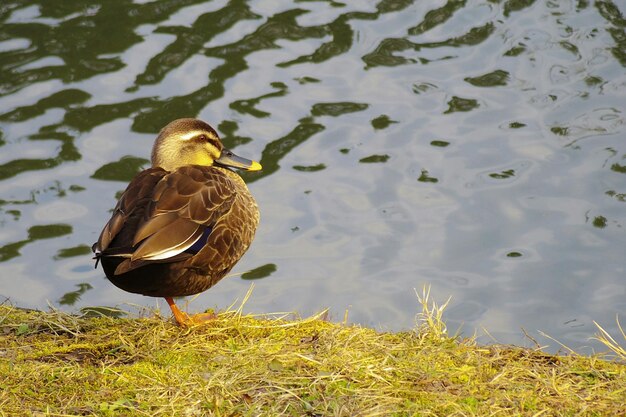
[(52, 363)]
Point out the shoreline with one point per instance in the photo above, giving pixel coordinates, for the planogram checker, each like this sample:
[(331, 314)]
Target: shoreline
[(54, 363)]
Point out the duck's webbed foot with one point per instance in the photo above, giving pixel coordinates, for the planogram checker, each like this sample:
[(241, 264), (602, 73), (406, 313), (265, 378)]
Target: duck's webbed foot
[(185, 320)]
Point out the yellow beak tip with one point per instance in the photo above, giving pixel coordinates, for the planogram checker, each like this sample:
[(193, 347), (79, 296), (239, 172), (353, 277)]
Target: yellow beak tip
[(255, 166)]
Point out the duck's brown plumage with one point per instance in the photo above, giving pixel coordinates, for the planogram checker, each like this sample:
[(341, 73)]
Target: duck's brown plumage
[(178, 232)]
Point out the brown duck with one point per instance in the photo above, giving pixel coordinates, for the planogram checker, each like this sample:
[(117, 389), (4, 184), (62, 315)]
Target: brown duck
[(180, 226)]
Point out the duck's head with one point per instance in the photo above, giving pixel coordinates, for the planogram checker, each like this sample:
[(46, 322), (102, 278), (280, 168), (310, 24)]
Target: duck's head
[(194, 142)]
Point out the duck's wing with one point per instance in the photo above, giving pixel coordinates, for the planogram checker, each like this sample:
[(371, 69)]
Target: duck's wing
[(185, 203), (168, 219), (127, 212)]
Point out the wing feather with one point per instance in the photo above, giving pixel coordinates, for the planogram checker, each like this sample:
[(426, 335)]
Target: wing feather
[(132, 203), (153, 225), (161, 214), (174, 238)]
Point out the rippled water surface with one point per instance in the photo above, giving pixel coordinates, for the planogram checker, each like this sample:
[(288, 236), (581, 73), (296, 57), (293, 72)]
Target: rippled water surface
[(477, 146)]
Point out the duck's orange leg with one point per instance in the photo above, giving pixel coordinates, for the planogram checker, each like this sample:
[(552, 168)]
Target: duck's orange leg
[(183, 319)]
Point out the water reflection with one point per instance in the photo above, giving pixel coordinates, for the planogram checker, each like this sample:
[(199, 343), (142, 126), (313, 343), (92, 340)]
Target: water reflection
[(70, 298), (123, 170), (49, 231), (262, 271), (474, 146)]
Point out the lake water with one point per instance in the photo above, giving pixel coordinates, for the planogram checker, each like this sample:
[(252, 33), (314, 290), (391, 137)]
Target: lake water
[(474, 146)]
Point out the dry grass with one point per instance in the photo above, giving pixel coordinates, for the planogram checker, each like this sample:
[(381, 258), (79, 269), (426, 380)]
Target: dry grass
[(238, 365), (604, 337)]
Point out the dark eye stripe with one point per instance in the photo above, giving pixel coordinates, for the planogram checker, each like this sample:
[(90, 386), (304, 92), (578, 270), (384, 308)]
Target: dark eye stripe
[(212, 139)]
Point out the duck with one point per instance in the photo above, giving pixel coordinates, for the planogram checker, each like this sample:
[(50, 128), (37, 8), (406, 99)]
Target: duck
[(182, 224)]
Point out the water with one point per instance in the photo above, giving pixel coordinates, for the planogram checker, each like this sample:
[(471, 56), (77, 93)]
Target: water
[(476, 146)]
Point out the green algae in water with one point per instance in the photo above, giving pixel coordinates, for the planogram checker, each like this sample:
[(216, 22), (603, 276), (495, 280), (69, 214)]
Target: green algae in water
[(123, 170)]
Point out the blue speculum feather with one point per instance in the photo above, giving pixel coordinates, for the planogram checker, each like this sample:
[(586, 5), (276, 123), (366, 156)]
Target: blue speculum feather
[(199, 244)]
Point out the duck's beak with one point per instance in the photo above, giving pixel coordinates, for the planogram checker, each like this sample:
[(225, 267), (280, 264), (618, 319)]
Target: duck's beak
[(229, 159)]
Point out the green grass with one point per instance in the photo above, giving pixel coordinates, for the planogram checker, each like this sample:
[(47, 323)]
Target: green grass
[(52, 363)]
